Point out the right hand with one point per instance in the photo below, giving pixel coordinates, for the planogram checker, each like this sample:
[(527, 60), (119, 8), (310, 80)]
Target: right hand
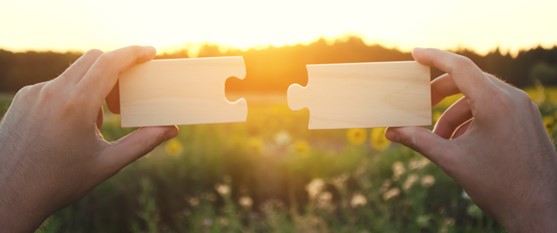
[(492, 142)]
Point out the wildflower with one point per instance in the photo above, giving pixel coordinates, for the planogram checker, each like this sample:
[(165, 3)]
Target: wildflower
[(173, 147), (410, 180), (358, 200), (245, 201), (324, 201), (356, 136), (282, 138), (378, 140), (391, 193), (301, 147), (315, 187), (340, 180), (193, 201), (418, 164), (428, 181), (398, 170), (222, 189), (548, 123)]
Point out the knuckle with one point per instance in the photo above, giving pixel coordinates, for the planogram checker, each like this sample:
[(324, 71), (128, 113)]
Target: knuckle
[(105, 61), (464, 61)]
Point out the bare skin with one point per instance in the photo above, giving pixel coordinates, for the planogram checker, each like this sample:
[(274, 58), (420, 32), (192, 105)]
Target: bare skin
[(51, 149), (492, 142)]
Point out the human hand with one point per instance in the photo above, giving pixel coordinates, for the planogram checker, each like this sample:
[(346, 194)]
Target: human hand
[(51, 150), (492, 142)]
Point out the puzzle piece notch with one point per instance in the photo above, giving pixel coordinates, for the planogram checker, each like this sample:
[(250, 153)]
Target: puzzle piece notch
[(364, 95), (181, 91)]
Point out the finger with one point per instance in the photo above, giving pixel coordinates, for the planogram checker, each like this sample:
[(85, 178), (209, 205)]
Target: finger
[(113, 99), (468, 77), (423, 141), (100, 118), (442, 87), (131, 147), (103, 74), (79, 68), (462, 128), (452, 118)]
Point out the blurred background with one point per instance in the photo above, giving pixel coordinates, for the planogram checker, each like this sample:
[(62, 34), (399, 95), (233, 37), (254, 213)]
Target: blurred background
[(271, 174)]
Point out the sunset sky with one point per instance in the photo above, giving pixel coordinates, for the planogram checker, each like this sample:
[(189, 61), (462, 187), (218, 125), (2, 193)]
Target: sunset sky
[(170, 24)]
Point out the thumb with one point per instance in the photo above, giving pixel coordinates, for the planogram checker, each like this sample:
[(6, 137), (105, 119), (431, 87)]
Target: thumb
[(136, 144), (421, 140)]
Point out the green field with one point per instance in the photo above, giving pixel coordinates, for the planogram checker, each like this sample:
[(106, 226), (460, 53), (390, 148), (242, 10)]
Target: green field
[(270, 174)]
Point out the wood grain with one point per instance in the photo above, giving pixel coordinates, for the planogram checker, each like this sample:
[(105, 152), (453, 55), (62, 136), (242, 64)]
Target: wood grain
[(362, 95), (180, 91)]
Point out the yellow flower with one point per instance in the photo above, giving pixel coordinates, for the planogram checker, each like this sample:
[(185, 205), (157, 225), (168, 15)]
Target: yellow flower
[(356, 136), (548, 123), (378, 140), (173, 147), (301, 147)]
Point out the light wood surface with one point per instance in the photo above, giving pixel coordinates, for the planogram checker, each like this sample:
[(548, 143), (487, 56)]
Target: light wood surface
[(181, 91), (363, 95)]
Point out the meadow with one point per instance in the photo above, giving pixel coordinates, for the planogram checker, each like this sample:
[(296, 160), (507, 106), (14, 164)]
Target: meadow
[(271, 174)]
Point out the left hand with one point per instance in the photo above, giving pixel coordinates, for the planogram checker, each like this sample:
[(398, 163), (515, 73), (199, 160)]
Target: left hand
[(51, 150)]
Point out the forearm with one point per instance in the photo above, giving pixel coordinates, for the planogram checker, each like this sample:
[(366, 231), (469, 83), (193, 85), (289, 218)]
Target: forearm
[(19, 209)]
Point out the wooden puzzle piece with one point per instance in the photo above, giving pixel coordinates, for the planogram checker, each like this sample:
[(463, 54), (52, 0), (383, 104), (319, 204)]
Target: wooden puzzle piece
[(362, 95), (180, 91)]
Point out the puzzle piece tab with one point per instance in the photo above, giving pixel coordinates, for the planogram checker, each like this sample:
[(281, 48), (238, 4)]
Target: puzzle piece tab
[(362, 95), (180, 91)]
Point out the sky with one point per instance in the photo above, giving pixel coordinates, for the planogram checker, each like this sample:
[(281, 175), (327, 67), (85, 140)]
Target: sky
[(481, 25)]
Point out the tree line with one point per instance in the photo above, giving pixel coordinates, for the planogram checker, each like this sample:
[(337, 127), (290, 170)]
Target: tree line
[(273, 69)]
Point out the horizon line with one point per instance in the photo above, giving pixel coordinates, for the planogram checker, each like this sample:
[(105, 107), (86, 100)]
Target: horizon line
[(193, 48)]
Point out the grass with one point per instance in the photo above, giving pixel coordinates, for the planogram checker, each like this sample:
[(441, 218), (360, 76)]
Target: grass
[(270, 174)]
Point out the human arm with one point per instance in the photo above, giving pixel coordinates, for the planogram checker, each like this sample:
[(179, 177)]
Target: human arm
[(492, 142), (51, 150)]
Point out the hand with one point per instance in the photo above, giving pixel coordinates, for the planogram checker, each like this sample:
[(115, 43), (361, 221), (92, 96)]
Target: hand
[(51, 150), (492, 142)]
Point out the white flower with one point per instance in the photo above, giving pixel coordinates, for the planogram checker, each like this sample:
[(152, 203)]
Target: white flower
[(282, 138), (315, 187), (358, 200), (223, 189)]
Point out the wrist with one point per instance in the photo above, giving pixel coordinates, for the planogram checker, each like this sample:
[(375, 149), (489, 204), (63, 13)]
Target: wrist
[(540, 217), (17, 213)]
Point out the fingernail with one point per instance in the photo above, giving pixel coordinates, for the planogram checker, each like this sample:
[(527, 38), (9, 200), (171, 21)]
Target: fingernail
[(171, 131), (417, 49), (392, 135), (150, 49)]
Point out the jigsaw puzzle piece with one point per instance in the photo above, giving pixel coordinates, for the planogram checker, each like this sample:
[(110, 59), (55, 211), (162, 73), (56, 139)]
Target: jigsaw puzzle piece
[(364, 95), (181, 91)]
